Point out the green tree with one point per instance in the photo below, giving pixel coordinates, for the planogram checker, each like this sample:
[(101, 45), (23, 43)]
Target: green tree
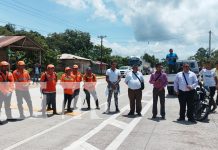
[(71, 42), (151, 59)]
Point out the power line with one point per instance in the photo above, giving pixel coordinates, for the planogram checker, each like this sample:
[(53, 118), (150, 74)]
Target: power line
[(34, 13), (7, 22)]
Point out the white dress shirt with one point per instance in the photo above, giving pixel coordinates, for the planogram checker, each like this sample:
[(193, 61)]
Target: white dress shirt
[(113, 75), (180, 83), (132, 81)]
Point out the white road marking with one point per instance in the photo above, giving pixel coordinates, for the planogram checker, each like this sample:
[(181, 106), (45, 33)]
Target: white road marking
[(88, 146), (119, 124), (46, 131), (123, 135), (49, 129), (80, 141), (127, 128)]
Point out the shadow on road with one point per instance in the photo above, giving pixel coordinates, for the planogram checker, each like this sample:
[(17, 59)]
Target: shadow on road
[(157, 119), (184, 122), (131, 116)]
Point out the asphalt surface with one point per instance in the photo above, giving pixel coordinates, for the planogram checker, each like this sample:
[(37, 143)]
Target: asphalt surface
[(95, 130)]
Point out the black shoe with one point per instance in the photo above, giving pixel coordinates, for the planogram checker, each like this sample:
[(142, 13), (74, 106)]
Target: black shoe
[(192, 120), (163, 117), (139, 114), (153, 117), (117, 110), (55, 113), (49, 108), (88, 108), (130, 113), (181, 119), (69, 110)]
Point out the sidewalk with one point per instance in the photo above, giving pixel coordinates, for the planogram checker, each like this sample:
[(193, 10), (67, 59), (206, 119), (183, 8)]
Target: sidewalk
[(169, 134)]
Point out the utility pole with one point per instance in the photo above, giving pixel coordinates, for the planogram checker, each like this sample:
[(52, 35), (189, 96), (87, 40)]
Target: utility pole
[(209, 43), (101, 37)]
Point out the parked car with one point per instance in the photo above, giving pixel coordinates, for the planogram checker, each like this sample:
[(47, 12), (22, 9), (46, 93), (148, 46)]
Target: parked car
[(124, 70)]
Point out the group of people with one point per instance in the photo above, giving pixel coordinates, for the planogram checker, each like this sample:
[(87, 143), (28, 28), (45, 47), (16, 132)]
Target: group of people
[(19, 80), (184, 86)]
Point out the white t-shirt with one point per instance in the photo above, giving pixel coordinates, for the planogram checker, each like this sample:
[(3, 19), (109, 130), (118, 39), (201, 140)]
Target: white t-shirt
[(132, 81), (113, 75), (208, 77)]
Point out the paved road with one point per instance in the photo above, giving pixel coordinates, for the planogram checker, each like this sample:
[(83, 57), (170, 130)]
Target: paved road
[(96, 130)]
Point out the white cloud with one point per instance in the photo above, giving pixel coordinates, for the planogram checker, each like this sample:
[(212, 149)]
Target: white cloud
[(74, 4), (101, 11), (179, 24), (158, 20)]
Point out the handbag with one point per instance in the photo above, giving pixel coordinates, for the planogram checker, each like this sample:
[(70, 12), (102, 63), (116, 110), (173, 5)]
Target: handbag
[(142, 83)]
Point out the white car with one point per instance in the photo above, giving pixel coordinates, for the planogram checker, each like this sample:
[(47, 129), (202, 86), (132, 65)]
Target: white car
[(124, 70)]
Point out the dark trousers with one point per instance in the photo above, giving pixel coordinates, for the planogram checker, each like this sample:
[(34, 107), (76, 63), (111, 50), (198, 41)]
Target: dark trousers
[(68, 100), (24, 95), (36, 78), (76, 93), (7, 102), (186, 98), (161, 95), (212, 93), (135, 97), (49, 98), (172, 68)]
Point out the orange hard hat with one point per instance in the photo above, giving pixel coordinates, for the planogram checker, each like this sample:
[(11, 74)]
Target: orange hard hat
[(75, 66), (21, 63), (4, 63), (67, 68), (50, 66)]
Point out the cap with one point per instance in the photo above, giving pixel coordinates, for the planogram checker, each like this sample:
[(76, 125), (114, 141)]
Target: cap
[(50, 66), (75, 66), (4, 63), (21, 63), (67, 68)]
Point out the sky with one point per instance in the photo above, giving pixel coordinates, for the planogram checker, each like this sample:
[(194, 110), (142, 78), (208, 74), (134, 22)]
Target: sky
[(131, 27)]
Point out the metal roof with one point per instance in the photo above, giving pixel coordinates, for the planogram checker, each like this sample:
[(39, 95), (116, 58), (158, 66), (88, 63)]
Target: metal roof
[(19, 43), (70, 56)]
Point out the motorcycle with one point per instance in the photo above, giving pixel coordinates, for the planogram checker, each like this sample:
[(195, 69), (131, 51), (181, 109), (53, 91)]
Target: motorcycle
[(201, 104)]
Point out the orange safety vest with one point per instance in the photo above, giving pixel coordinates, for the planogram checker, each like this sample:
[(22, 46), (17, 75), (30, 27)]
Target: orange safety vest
[(22, 79), (6, 82), (48, 82), (67, 83), (77, 78), (89, 82)]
